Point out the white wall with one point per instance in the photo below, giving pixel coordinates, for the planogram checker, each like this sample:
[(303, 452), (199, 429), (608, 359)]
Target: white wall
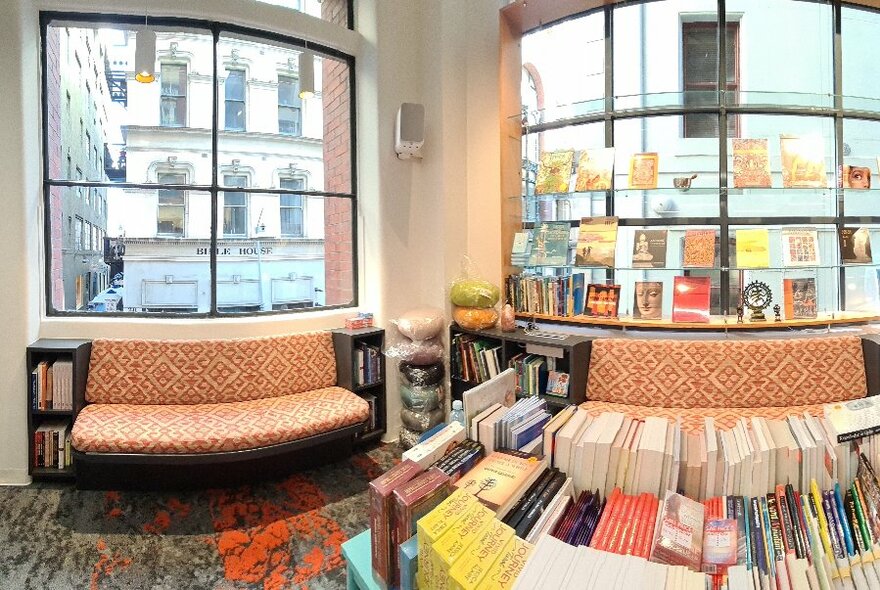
[(416, 219)]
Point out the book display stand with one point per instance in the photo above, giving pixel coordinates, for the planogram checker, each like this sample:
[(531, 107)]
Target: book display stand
[(365, 374)]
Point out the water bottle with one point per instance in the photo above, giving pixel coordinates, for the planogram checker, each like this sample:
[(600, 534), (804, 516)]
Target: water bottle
[(457, 413)]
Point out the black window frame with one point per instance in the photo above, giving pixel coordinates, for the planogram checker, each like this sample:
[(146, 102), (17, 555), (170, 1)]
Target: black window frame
[(215, 187), (293, 107), (173, 97)]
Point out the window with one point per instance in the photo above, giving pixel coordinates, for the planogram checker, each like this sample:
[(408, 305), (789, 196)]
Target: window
[(78, 236), (235, 207), (700, 73), (289, 106), (173, 100), (87, 236), (292, 208), (235, 103), (172, 206)]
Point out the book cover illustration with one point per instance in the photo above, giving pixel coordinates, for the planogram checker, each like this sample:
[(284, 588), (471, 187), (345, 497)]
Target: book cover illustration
[(648, 300), (499, 476), (602, 300), (855, 245), (855, 418), (690, 299), (752, 248), (550, 245), (803, 162), (595, 170), (800, 247), (699, 248), (856, 177), (597, 241), (799, 298), (751, 164), (557, 384), (649, 248), (643, 170), (554, 172), (521, 248), (679, 539)]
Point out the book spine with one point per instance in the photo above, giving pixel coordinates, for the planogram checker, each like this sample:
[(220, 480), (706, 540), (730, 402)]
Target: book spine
[(598, 540)]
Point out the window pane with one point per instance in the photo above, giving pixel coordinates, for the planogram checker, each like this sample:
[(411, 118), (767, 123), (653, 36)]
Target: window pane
[(234, 85), (134, 126), (858, 36), (313, 138), (335, 11)]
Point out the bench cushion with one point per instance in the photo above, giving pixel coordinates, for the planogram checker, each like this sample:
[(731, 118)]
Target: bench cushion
[(208, 371), (726, 373), (211, 428), (692, 418)]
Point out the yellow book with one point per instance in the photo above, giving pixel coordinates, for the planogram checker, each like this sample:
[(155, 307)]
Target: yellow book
[(752, 248), (471, 567), (455, 541), (431, 527), (823, 530), (508, 566)]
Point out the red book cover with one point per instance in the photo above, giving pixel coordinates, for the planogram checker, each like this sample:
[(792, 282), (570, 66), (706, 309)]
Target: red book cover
[(634, 524), (626, 512), (690, 299), (606, 543), (598, 536), (644, 524), (381, 514), (648, 539), (680, 540)]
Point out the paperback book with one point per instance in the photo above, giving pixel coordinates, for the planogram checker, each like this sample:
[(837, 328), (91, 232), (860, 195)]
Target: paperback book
[(752, 248), (557, 384), (597, 241), (595, 170), (800, 247), (649, 249), (856, 177), (550, 244), (520, 250), (855, 418), (699, 248), (680, 536), (602, 300), (751, 163), (855, 245), (799, 298), (554, 172), (690, 299), (498, 480), (803, 162), (643, 170), (648, 300)]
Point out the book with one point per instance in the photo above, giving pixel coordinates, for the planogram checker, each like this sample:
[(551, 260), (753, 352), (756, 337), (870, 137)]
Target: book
[(856, 177), (454, 542), (649, 248), (554, 172), (436, 523), (412, 501), (407, 556), (803, 162), (643, 169), (557, 384), (719, 545), (470, 569), (602, 300), (597, 241), (508, 566), (427, 452), (679, 539), (855, 418), (381, 489), (855, 245), (751, 163), (800, 247), (595, 170), (550, 244), (648, 300), (690, 299), (799, 298), (752, 248), (699, 248), (499, 389), (499, 479), (521, 249)]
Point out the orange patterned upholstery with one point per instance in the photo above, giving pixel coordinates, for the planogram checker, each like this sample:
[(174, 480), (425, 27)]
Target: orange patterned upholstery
[(726, 373), (209, 371), (210, 428), (692, 418)]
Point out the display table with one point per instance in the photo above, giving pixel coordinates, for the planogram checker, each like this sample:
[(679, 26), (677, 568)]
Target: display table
[(359, 571)]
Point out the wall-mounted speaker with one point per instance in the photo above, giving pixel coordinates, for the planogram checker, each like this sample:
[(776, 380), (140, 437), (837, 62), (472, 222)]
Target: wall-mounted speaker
[(409, 130)]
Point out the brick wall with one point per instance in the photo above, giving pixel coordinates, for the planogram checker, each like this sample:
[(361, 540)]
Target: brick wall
[(338, 247), (56, 211)]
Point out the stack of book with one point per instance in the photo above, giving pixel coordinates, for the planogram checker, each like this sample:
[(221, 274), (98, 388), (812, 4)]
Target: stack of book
[(522, 425), (532, 371), (656, 455), (367, 364), (52, 445), (474, 359), (51, 386), (361, 320), (547, 295)]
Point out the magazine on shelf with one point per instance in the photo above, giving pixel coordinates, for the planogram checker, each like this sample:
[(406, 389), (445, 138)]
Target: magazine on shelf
[(699, 248), (855, 245), (799, 298), (643, 169), (649, 248), (803, 161), (597, 241), (752, 248), (800, 247), (595, 170), (554, 172), (751, 164), (550, 244)]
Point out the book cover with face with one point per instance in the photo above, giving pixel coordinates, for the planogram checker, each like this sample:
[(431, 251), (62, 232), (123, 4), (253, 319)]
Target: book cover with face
[(648, 300)]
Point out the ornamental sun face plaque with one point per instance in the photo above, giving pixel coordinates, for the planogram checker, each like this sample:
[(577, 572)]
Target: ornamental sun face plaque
[(757, 297)]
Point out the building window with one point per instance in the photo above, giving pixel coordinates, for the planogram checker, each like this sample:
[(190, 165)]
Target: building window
[(235, 206), (173, 99), (235, 100), (700, 75), (78, 236), (292, 208), (289, 106), (172, 206)]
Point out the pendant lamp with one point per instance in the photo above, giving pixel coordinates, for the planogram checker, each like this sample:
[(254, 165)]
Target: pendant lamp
[(306, 74), (145, 56)]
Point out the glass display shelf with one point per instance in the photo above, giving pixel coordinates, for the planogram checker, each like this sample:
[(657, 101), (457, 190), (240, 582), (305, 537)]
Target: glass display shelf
[(696, 190)]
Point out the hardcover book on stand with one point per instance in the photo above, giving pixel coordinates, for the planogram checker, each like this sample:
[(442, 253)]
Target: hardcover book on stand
[(595, 170), (554, 172), (597, 241)]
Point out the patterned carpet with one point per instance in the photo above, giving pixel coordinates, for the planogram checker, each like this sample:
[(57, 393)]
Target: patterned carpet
[(270, 535)]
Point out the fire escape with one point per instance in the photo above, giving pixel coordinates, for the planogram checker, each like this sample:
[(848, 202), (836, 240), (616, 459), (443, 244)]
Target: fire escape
[(117, 84)]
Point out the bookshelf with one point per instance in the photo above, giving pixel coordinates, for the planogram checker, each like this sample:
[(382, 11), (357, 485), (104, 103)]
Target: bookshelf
[(571, 354), (50, 351), (368, 385)]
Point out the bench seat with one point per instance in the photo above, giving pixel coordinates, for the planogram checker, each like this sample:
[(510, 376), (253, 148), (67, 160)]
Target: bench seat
[(218, 427)]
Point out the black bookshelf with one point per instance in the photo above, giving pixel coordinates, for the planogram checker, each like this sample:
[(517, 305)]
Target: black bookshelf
[(51, 350), (346, 343), (572, 357)]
